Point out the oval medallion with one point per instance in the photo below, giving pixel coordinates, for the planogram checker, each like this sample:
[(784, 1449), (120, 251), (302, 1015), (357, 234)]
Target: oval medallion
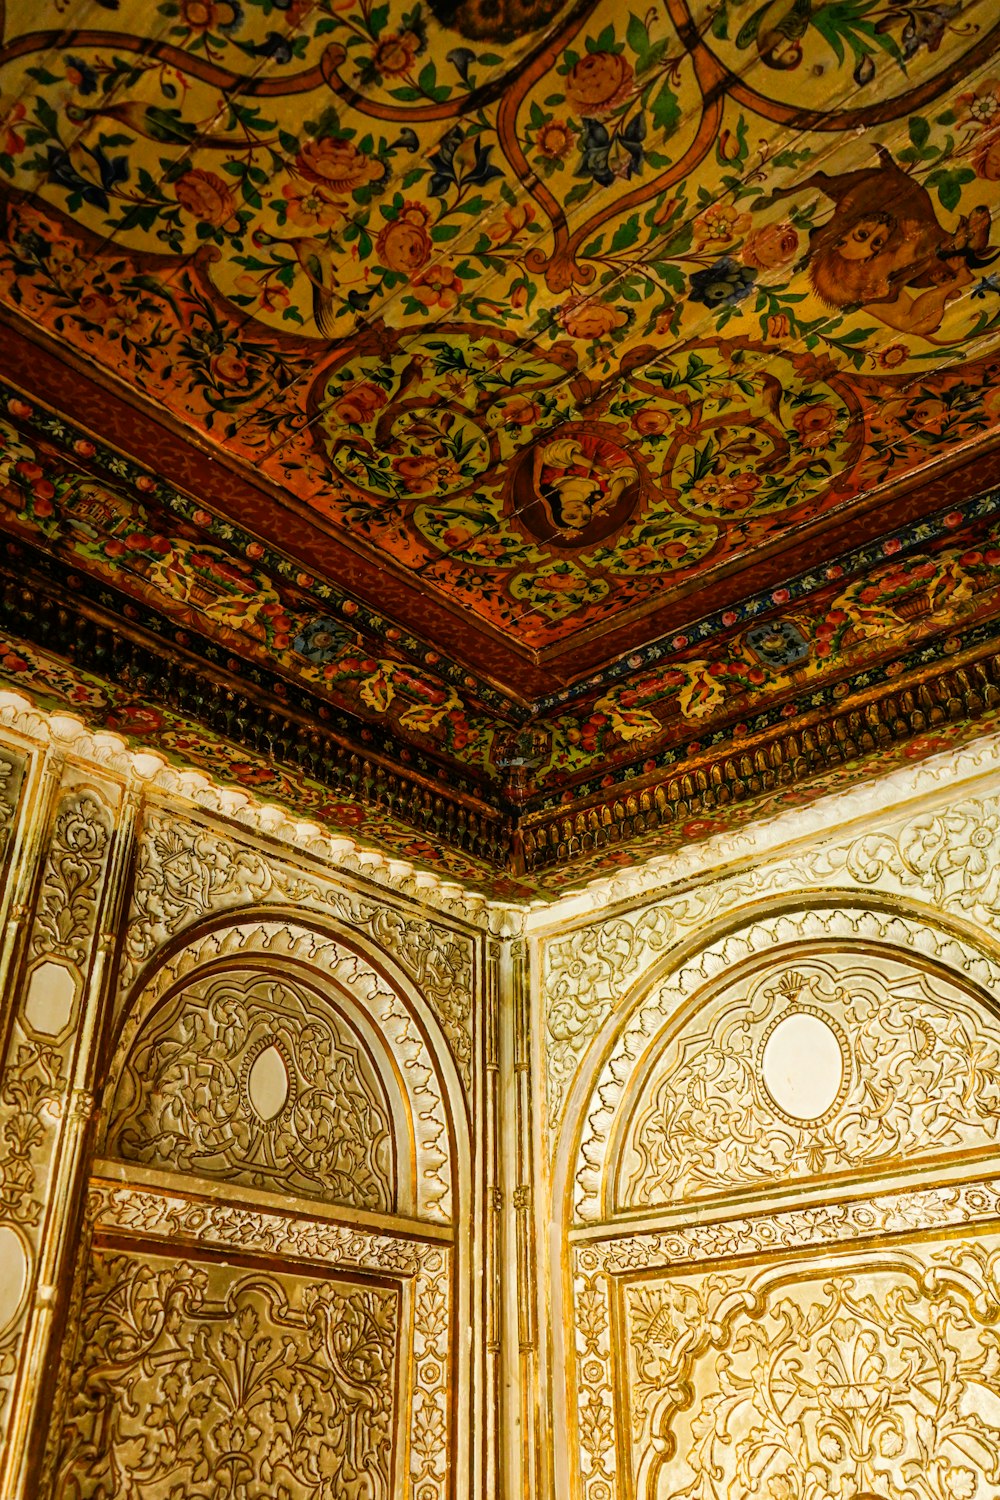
[(803, 1065), (267, 1083)]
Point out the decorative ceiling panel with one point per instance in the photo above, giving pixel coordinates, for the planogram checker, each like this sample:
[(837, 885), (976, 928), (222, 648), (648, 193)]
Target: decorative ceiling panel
[(541, 397), (551, 324)]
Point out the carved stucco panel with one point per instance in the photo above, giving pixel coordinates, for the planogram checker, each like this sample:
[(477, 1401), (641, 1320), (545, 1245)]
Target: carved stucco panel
[(426, 1268), (160, 1214), (186, 871), (277, 942), (584, 974), (251, 1078), (844, 928), (35, 1082), (12, 769), (812, 1224), (867, 1375), (599, 1266), (194, 1378), (949, 858), (819, 1064)]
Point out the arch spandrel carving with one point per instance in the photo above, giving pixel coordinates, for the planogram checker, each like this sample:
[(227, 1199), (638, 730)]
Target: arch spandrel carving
[(252, 1078), (822, 1063), (187, 871)]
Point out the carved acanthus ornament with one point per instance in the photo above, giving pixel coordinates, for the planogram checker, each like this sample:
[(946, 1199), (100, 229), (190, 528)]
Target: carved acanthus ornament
[(178, 1220), (251, 1079), (187, 871), (913, 1071), (66, 909), (584, 974)]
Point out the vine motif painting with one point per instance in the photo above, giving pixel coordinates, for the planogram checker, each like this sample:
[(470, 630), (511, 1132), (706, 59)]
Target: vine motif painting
[(544, 306), (249, 1078)]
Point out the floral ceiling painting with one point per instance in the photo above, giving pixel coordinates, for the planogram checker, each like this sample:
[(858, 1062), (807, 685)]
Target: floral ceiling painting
[(563, 360)]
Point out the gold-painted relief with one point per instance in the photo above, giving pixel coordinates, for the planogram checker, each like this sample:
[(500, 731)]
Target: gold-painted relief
[(821, 1065), (194, 1379), (186, 870), (849, 1378), (723, 971), (255, 1080)]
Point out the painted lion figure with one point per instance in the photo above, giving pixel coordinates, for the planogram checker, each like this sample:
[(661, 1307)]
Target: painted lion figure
[(884, 249)]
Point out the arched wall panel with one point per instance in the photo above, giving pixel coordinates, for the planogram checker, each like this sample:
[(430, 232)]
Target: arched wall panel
[(750, 1114)]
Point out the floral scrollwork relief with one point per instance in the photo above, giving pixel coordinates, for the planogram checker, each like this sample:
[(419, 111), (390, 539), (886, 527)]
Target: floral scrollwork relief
[(67, 905), (855, 1379), (595, 1385), (919, 1053), (172, 1218), (280, 946), (194, 1379), (251, 1079), (951, 856), (11, 778), (895, 1064), (585, 973), (182, 872), (187, 870), (814, 1224), (32, 1090)]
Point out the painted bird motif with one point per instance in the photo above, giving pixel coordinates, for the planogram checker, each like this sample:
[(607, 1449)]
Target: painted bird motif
[(153, 123), (315, 259), (777, 29)]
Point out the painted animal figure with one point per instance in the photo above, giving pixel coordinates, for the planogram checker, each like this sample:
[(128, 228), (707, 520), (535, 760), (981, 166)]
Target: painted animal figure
[(884, 249), (777, 29)]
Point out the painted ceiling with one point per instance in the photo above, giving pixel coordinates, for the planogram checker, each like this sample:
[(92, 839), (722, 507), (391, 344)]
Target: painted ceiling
[(541, 399)]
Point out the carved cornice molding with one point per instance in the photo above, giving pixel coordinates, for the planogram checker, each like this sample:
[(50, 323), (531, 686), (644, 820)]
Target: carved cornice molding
[(472, 816), (780, 758), (46, 613), (145, 772)]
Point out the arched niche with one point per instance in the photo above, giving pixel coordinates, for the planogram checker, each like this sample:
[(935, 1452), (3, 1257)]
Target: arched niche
[(275, 1273), (704, 1022), (784, 1157), (366, 1021), (253, 1074)]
